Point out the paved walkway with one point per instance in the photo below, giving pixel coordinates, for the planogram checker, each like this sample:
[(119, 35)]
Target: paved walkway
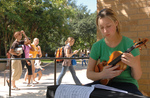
[(39, 91)]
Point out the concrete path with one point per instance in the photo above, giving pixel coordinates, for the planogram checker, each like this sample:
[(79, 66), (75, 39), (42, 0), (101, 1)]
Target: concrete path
[(39, 91)]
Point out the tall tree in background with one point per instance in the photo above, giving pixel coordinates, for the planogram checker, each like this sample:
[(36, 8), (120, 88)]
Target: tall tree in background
[(83, 27), (9, 20), (36, 18), (52, 21)]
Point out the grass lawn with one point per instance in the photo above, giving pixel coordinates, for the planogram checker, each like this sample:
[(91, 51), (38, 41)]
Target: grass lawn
[(50, 61), (47, 61)]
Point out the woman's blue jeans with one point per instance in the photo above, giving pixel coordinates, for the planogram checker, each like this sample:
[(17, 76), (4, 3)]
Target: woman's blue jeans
[(63, 71)]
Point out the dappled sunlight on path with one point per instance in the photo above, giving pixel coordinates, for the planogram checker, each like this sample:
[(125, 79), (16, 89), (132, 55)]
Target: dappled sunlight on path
[(47, 79)]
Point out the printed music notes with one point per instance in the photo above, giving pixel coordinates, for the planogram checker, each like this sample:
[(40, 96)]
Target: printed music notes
[(73, 91)]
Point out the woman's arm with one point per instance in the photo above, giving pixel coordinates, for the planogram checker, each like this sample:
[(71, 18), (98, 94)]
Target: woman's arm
[(68, 54), (25, 36), (40, 52), (90, 70), (134, 63), (108, 72), (32, 48), (12, 51)]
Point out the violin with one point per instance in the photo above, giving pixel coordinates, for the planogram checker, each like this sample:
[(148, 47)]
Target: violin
[(115, 59)]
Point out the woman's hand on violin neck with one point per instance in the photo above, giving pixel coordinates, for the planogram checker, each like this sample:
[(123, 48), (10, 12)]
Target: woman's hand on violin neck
[(110, 72), (129, 59)]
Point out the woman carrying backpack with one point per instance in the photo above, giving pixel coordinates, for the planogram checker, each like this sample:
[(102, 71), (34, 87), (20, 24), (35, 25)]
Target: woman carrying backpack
[(67, 62)]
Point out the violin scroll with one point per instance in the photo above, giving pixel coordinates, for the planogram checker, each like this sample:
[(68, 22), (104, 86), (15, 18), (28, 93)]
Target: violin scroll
[(140, 43)]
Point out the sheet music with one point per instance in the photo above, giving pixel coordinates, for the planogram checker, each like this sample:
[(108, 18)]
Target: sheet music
[(109, 88), (73, 91)]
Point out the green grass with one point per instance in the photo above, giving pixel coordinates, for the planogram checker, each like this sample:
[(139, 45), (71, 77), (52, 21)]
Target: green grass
[(50, 61), (47, 61)]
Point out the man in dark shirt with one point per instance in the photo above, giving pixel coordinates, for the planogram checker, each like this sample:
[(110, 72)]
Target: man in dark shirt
[(16, 51)]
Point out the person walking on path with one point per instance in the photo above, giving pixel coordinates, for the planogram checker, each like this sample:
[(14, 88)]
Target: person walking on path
[(83, 60), (46, 54), (38, 69), (33, 54), (16, 51), (67, 62), (27, 47), (8, 56)]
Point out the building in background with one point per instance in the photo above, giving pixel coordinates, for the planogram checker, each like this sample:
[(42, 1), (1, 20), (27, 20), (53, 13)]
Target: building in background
[(134, 16)]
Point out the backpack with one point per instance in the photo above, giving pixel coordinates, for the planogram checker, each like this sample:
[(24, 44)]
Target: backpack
[(59, 53)]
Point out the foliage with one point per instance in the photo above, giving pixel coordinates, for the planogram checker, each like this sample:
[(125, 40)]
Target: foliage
[(36, 18), (83, 28), (52, 21)]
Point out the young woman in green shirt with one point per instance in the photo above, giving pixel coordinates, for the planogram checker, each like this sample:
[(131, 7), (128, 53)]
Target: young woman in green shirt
[(109, 26)]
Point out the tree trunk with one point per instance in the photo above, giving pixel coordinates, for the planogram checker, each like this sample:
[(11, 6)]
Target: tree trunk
[(0, 48), (5, 43)]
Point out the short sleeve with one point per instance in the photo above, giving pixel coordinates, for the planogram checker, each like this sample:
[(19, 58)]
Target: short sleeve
[(23, 47), (21, 42), (95, 51)]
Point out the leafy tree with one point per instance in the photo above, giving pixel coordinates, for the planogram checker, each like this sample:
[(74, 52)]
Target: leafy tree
[(9, 21), (83, 27), (36, 17), (52, 21)]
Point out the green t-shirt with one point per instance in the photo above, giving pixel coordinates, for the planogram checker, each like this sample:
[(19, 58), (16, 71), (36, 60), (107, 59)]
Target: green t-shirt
[(101, 51)]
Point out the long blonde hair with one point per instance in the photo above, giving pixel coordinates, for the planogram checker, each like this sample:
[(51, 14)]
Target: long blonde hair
[(107, 12), (68, 40)]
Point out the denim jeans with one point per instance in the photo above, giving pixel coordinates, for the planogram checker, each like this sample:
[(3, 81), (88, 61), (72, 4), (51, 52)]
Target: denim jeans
[(84, 62), (131, 88), (63, 71)]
